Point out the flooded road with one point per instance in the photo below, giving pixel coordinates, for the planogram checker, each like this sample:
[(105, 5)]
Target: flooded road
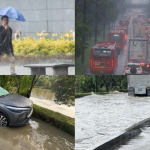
[(99, 117), (37, 135), (141, 142)]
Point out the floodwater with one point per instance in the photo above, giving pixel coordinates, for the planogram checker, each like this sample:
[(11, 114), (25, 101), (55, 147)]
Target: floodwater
[(37, 135), (99, 117), (141, 142)]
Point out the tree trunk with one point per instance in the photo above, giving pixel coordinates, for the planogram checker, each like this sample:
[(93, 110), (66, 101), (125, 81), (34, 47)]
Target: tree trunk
[(104, 31), (82, 57), (35, 79), (96, 85), (96, 21), (109, 26), (107, 88), (83, 39)]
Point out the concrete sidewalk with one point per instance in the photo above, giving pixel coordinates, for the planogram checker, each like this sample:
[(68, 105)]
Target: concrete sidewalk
[(49, 104)]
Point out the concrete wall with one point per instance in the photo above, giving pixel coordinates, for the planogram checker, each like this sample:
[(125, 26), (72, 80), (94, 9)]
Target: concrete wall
[(49, 15)]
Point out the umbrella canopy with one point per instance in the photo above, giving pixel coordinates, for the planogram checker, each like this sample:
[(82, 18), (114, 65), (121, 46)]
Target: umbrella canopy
[(12, 13)]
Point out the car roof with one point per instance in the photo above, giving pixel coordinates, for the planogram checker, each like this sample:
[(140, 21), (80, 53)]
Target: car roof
[(105, 45), (133, 64), (116, 31)]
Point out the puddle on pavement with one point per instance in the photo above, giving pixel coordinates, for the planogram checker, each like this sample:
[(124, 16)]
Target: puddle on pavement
[(36, 135)]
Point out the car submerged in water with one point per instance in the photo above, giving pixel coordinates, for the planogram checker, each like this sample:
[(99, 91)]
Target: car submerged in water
[(15, 110)]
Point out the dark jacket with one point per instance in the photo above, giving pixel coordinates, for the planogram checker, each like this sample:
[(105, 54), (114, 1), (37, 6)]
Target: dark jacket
[(6, 40)]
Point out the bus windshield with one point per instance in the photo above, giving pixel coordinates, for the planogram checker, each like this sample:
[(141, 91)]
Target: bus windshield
[(102, 53), (121, 29), (124, 23), (126, 17), (115, 37)]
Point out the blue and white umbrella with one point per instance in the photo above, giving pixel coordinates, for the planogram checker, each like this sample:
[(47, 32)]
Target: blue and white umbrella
[(12, 13)]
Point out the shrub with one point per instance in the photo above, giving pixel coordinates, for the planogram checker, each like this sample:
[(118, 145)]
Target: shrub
[(101, 93), (78, 95), (44, 45)]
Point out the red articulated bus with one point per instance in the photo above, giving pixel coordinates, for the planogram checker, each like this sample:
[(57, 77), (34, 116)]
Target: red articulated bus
[(124, 22), (104, 57), (117, 36), (122, 28)]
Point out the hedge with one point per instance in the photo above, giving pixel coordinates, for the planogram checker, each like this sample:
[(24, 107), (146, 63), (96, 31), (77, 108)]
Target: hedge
[(101, 93), (30, 46), (123, 90), (56, 119), (78, 95)]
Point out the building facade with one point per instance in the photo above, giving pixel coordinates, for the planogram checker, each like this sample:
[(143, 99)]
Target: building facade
[(42, 15)]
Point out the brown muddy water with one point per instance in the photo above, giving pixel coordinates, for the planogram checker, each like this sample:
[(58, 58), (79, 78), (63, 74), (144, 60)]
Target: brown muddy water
[(36, 135)]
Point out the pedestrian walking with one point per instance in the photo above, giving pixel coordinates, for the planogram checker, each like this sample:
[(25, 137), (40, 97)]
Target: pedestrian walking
[(6, 46)]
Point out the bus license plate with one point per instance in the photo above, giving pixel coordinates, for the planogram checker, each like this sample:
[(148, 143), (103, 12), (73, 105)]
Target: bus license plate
[(102, 64), (140, 89), (96, 63)]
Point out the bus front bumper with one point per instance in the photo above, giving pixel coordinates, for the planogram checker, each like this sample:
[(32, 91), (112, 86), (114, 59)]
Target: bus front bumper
[(101, 70)]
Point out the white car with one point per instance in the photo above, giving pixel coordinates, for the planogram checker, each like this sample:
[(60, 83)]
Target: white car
[(133, 68)]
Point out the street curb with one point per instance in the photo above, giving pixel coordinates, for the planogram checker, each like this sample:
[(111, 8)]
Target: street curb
[(122, 137)]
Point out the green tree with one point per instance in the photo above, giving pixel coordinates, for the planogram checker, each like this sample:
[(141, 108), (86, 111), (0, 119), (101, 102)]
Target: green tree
[(93, 83), (21, 85), (63, 86)]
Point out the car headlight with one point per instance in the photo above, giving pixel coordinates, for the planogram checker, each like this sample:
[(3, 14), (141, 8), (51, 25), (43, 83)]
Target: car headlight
[(16, 109)]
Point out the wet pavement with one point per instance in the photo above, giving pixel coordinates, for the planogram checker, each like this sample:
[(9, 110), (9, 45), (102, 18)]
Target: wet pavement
[(99, 117), (123, 56), (37, 135)]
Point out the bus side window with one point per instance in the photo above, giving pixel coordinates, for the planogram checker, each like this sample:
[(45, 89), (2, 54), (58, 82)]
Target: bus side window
[(116, 54)]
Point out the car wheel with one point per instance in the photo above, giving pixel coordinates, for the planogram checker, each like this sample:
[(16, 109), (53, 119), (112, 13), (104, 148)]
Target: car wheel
[(3, 120)]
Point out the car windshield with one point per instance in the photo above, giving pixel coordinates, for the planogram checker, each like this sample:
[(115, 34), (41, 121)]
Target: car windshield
[(121, 29), (140, 37), (3, 92), (102, 53), (135, 21), (132, 66)]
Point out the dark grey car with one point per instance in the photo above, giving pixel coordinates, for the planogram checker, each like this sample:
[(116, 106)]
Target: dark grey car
[(15, 110)]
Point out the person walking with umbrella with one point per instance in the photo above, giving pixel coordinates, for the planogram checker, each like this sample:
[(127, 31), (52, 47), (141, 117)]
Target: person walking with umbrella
[(6, 46)]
